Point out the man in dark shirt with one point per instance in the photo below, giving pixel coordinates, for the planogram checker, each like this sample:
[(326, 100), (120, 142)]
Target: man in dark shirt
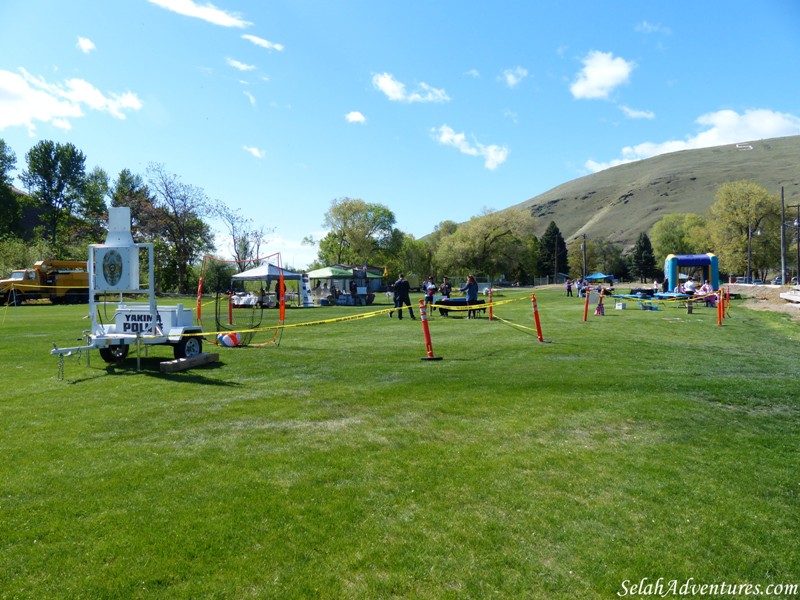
[(401, 290)]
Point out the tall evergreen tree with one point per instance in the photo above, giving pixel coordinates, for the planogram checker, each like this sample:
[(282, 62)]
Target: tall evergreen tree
[(642, 258), (552, 252)]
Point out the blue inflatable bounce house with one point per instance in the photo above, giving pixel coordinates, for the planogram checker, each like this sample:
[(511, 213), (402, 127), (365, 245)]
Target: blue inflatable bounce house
[(708, 263)]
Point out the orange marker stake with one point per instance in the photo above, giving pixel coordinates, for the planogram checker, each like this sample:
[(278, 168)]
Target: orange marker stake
[(491, 314), (230, 309), (426, 332), (536, 318), (199, 297)]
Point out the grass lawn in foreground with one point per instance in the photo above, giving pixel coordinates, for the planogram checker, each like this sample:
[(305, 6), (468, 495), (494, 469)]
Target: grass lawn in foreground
[(339, 465)]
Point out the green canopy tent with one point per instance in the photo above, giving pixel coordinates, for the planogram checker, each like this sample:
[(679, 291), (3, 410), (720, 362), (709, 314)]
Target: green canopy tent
[(340, 276)]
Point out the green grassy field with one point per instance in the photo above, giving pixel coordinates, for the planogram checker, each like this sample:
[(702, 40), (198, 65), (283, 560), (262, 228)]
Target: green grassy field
[(340, 465)]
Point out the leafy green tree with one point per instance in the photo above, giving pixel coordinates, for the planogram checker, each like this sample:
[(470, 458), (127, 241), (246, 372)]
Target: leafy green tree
[(575, 254), (357, 230), (494, 243), (16, 253), (92, 211), (10, 206), (611, 260), (678, 233), (217, 276), (552, 252), (179, 209), (55, 177), (131, 190), (744, 216), (642, 259)]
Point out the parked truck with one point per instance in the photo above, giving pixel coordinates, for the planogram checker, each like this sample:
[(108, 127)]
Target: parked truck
[(60, 281)]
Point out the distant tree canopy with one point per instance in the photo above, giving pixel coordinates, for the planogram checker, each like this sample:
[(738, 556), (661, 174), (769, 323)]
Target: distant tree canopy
[(357, 231), (56, 178), (179, 209), (678, 233), (10, 207), (494, 243), (745, 219)]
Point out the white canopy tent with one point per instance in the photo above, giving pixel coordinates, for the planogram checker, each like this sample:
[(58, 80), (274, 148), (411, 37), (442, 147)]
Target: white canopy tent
[(269, 273)]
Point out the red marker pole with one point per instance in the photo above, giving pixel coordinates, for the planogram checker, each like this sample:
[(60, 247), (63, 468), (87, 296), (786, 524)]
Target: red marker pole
[(426, 332), (536, 318), (491, 313), (720, 303), (282, 298), (230, 309)]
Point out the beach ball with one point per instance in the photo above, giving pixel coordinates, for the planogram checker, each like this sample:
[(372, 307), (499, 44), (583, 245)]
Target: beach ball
[(229, 340)]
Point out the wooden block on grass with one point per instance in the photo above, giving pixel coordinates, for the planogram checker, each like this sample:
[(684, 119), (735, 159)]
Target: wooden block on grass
[(181, 364)]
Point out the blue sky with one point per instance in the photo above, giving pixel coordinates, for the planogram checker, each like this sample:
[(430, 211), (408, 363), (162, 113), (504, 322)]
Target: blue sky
[(436, 109)]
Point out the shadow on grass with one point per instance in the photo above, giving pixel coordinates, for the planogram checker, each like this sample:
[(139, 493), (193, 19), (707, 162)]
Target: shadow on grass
[(151, 367)]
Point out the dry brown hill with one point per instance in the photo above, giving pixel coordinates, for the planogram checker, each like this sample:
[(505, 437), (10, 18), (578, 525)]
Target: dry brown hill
[(619, 203)]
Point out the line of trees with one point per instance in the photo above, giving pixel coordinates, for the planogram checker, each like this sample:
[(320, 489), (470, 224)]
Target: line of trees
[(493, 244), (743, 221), (66, 208)]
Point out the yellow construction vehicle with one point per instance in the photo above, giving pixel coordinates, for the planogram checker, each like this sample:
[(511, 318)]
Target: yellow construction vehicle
[(60, 281)]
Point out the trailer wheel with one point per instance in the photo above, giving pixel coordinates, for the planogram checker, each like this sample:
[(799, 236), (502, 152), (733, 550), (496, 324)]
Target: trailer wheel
[(114, 354), (188, 346)]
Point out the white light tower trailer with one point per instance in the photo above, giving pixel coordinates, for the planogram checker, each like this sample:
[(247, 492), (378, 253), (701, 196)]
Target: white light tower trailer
[(114, 271)]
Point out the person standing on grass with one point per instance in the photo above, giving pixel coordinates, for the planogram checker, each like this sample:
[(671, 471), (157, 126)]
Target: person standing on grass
[(569, 287), (430, 290), (446, 289), (401, 293), (471, 290)]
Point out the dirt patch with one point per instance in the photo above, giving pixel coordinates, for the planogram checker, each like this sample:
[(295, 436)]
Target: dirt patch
[(766, 297)]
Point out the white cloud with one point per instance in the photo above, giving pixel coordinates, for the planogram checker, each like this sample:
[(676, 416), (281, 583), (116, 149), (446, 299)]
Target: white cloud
[(254, 151), (600, 75), (355, 117), (493, 155), (396, 91), (263, 43), (239, 65), (25, 100), (632, 113), (513, 77), (473, 73), (645, 27), (207, 12), (722, 127), (250, 97), (85, 45), (510, 114)]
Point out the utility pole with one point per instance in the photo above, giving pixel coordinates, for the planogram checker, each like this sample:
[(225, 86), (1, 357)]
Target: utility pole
[(583, 247), (796, 224), (783, 239)]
